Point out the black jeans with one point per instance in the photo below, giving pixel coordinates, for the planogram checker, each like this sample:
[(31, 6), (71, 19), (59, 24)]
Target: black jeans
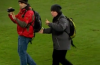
[(59, 57)]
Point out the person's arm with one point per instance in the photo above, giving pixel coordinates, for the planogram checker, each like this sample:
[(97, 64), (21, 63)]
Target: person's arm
[(21, 23), (16, 20), (28, 18), (47, 31), (10, 16), (61, 26)]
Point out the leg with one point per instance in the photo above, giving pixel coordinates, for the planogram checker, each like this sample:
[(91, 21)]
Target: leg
[(55, 58), (22, 47), (30, 61), (63, 60)]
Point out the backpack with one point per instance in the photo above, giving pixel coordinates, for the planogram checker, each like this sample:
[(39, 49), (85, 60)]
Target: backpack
[(37, 24), (72, 29)]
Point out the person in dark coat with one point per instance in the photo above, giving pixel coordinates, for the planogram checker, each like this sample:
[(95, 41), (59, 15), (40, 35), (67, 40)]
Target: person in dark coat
[(61, 40)]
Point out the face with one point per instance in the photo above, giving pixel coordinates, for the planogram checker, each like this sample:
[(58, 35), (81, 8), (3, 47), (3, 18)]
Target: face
[(54, 13), (22, 5)]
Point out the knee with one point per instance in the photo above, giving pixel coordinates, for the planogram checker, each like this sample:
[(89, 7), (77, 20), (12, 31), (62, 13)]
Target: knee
[(21, 52)]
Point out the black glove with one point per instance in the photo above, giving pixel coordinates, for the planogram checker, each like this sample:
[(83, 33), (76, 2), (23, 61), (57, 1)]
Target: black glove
[(10, 10)]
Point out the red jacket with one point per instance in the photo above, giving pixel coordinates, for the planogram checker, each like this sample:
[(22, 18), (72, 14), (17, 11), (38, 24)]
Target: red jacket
[(27, 19)]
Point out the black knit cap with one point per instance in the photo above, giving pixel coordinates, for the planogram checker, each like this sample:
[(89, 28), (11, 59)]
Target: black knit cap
[(56, 8), (23, 1)]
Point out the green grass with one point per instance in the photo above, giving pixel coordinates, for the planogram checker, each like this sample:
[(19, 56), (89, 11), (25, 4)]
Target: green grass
[(86, 16)]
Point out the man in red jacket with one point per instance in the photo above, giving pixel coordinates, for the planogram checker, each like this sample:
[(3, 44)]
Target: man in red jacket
[(25, 31)]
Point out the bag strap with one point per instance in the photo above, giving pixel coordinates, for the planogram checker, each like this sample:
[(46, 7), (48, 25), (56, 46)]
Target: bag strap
[(24, 14), (32, 17), (66, 19)]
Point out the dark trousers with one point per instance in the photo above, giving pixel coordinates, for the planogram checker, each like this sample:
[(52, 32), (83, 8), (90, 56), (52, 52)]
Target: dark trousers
[(59, 57)]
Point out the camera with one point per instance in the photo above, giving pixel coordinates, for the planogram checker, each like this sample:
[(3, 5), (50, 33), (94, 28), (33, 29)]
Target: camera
[(10, 10)]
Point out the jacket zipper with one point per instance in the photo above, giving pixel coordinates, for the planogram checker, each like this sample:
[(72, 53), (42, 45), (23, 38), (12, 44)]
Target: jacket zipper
[(58, 42)]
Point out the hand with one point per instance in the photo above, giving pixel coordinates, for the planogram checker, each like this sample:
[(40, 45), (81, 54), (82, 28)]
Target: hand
[(41, 31), (13, 15), (47, 22)]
